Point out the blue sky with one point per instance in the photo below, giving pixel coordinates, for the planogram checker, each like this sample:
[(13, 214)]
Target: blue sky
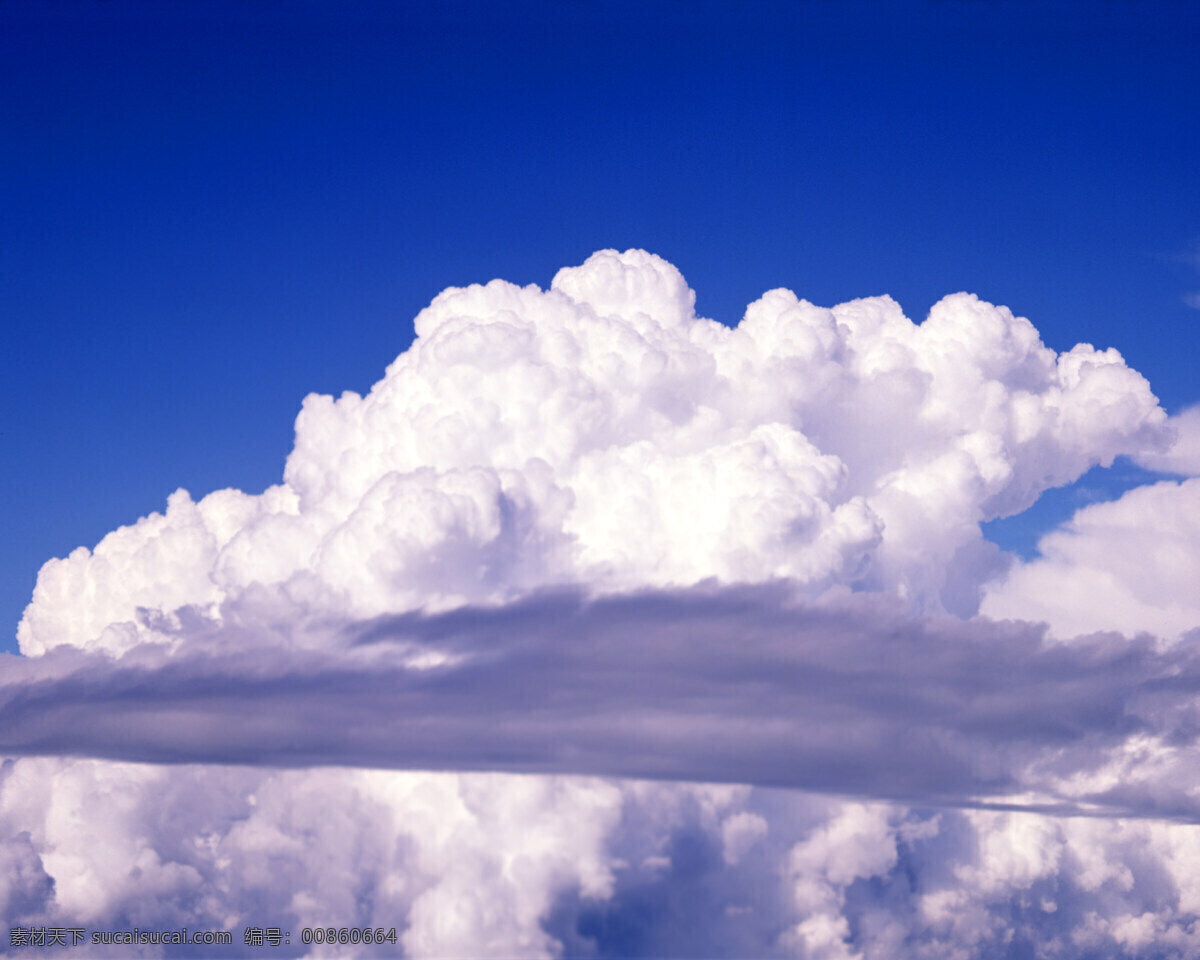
[(209, 210)]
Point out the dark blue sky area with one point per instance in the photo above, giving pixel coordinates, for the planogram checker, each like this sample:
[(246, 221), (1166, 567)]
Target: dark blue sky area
[(210, 209)]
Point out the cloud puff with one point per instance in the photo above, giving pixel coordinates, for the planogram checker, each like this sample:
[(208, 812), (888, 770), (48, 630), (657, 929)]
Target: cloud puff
[(587, 554), (1183, 456), (1130, 565)]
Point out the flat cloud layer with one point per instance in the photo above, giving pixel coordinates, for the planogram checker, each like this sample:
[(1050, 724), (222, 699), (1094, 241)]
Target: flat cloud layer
[(580, 551), (739, 685)]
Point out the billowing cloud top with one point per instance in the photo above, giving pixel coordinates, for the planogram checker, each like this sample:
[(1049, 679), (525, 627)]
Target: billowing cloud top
[(581, 536), (599, 432)]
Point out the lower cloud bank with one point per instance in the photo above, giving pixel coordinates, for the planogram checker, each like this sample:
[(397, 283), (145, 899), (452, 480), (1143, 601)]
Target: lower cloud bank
[(532, 865)]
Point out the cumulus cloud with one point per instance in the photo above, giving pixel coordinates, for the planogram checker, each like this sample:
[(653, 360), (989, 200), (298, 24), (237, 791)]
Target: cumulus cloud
[(488, 864), (575, 634), (1183, 455), (599, 432), (1129, 565)]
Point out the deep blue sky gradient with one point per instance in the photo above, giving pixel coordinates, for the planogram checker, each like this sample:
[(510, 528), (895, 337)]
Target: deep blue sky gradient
[(210, 209)]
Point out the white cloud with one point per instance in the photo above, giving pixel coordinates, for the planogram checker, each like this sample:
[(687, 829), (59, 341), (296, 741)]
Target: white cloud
[(585, 536), (460, 865), (739, 833), (1183, 455), (1130, 565), (519, 866), (599, 432)]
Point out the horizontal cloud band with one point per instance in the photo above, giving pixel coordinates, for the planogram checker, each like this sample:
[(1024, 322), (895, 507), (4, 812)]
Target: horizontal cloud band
[(741, 685)]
